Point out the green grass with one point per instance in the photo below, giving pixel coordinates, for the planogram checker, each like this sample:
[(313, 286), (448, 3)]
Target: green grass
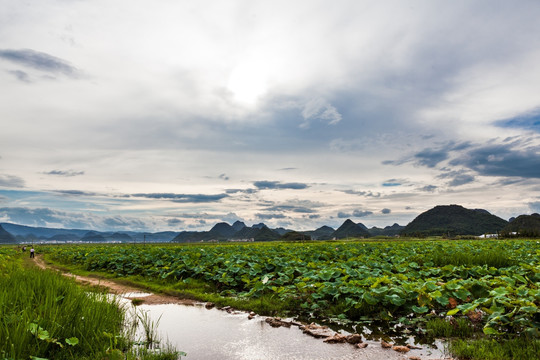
[(496, 349), (46, 315), (460, 327), (497, 258), (56, 310)]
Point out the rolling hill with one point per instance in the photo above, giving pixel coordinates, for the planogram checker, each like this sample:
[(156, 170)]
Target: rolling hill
[(523, 225), (451, 220), (351, 229), (6, 237)]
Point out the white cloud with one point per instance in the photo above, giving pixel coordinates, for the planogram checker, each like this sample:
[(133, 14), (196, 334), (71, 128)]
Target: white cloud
[(320, 109)]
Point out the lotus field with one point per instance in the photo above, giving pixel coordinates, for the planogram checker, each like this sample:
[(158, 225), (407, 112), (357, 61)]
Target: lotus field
[(494, 283)]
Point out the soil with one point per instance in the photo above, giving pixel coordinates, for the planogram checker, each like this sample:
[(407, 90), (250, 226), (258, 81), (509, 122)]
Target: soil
[(129, 292)]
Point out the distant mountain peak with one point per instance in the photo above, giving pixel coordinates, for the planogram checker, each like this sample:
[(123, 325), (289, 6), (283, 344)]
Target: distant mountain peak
[(6, 237), (238, 225), (350, 229), (454, 220), (223, 229)]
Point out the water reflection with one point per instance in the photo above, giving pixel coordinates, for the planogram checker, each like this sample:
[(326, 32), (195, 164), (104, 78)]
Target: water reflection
[(214, 334)]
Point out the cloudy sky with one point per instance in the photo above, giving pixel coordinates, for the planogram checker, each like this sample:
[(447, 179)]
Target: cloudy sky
[(175, 115)]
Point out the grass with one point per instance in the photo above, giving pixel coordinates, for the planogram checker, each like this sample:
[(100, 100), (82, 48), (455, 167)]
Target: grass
[(460, 327), (57, 310), (496, 257), (46, 315), (500, 349)]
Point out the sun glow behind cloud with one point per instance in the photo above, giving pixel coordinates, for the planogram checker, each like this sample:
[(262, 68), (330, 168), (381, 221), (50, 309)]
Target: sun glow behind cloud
[(248, 81)]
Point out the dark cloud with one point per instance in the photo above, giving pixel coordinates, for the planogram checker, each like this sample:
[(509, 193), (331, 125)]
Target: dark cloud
[(20, 75), (529, 121), (386, 211), (461, 180), (362, 193), (360, 213), (513, 157), (458, 177), (390, 184), (431, 157), (509, 181), (224, 177), (429, 188), (40, 61), (11, 181), (293, 208), (75, 192), (116, 222), (355, 213), (288, 169), (198, 216), (66, 173), (174, 222), (270, 216), (314, 216), (243, 191), (198, 225), (502, 160), (263, 185), (183, 198)]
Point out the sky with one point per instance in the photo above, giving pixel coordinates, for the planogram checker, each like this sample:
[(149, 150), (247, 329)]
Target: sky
[(175, 115)]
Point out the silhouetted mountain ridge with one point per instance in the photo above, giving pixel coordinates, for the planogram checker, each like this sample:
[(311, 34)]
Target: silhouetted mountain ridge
[(524, 225), (351, 229), (454, 220), (6, 237)]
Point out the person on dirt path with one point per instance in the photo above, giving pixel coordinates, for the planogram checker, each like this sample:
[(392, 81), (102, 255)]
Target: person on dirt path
[(32, 252)]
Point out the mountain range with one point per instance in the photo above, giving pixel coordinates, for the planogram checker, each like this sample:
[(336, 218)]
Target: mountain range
[(23, 233), (446, 220)]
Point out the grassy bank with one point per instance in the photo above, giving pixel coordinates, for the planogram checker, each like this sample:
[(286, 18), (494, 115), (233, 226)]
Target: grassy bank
[(466, 341), (44, 315)]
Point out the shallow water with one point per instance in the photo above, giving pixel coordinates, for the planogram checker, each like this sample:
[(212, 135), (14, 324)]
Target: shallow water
[(214, 334)]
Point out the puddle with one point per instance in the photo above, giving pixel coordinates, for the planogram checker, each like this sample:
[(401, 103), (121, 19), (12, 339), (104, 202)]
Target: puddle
[(214, 334)]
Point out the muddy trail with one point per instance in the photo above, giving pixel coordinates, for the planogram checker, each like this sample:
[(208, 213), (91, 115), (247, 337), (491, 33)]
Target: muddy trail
[(126, 291)]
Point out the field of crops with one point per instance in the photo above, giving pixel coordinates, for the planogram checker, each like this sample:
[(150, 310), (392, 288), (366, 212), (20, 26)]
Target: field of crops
[(496, 283)]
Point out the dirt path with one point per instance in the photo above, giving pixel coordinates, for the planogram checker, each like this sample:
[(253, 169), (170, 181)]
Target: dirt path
[(126, 291)]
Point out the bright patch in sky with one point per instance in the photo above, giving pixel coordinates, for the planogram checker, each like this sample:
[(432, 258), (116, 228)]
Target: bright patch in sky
[(248, 81)]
